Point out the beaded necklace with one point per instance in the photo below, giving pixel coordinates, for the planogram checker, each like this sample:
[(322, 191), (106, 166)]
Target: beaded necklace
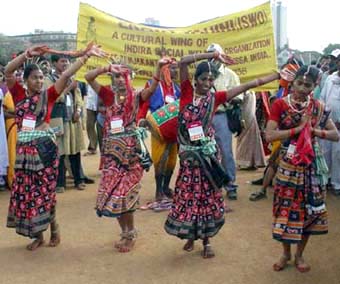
[(305, 104)]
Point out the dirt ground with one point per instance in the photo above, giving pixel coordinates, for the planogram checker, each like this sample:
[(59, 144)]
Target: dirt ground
[(244, 248)]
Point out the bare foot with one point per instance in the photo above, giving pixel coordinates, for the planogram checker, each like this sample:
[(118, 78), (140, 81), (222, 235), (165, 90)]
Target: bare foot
[(55, 237), (35, 244), (127, 246), (189, 245), (208, 251), (129, 241), (120, 243), (282, 263), (301, 265)]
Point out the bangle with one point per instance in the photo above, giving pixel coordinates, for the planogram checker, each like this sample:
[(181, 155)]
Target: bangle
[(194, 57), (155, 78), (323, 134), (292, 132), (28, 55)]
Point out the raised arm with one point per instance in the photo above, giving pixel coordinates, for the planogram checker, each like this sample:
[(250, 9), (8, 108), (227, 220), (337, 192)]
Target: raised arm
[(19, 61), (191, 58), (148, 92), (91, 76), (61, 83), (233, 92)]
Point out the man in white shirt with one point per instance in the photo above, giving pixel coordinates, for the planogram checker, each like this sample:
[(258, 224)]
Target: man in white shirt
[(225, 80), (91, 120)]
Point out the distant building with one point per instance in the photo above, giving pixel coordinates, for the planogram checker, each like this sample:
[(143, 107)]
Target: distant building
[(151, 22), (56, 40), (279, 12)]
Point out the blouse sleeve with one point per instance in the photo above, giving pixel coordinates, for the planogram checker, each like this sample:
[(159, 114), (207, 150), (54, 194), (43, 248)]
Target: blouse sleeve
[(107, 96), (186, 94), (17, 92), (220, 98), (52, 94), (276, 110)]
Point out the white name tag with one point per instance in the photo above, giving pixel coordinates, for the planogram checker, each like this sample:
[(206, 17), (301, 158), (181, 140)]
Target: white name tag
[(28, 123), (169, 99), (117, 125), (68, 101), (291, 151), (195, 131)]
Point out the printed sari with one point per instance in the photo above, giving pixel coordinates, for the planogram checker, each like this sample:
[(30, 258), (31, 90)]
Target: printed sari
[(198, 207), (298, 208)]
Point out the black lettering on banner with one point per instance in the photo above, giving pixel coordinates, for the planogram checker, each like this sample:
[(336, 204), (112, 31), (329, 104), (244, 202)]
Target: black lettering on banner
[(137, 49), (170, 52), (179, 41), (262, 55), (242, 71), (248, 46), (202, 42)]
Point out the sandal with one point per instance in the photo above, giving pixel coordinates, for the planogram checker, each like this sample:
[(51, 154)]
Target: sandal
[(163, 205), (90, 152), (258, 195), (55, 237), (278, 266), (149, 205), (129, 243), (301, 265)]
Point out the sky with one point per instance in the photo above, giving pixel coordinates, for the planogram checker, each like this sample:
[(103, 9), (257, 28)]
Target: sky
[(310, 26)]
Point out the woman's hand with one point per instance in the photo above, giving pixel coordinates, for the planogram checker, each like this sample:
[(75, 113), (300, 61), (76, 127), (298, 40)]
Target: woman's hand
[(222, 57), (37, 50), (95, 50), (166, 61), (287, 74), (304, 120), (118, 68)]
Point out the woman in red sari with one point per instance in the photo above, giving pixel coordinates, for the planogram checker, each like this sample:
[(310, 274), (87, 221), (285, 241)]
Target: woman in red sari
[(198, 209), (299, 195), (33, 196)]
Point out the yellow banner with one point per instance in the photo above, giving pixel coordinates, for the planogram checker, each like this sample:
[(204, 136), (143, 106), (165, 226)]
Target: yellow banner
[(246, 36)]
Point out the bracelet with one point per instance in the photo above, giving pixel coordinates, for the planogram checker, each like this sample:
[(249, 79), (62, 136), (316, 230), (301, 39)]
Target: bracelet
[(155, 78), (194, 57), (323, 134), (28, 55), (292, 132)]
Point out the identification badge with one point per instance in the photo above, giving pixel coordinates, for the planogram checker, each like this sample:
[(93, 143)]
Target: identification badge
[(28, 123), (117, 125), (195, 131), (169, 99), (68, 101), (291, 151)]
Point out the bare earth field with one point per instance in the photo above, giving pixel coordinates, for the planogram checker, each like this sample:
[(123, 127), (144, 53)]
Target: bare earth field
[(244, 248)]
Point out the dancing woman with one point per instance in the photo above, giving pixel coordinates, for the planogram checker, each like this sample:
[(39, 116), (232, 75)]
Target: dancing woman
[(33, 197), (122, 163), (198, 210)]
